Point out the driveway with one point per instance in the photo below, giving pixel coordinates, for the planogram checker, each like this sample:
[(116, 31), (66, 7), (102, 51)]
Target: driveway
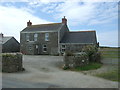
[(46, 72)]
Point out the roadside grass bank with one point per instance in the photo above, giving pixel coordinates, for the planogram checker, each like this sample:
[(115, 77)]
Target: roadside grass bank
[(110, 75), (90, 66), (111, 53)]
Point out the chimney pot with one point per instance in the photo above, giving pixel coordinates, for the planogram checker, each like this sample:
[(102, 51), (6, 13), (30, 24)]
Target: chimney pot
[(64, 20), (29, 23), (1, 34)]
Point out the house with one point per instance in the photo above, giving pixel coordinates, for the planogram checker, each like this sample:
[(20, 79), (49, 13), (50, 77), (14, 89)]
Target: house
[(53, 38), (9, 44)]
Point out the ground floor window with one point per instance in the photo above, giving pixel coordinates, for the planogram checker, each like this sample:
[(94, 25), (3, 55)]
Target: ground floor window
[(44, 48), (30, 48), (36, 46), (63, 47)]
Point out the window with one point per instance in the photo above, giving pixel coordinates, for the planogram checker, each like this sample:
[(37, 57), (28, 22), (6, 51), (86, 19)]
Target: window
[(35, 36), (44, 48), (27, 37), (46, 36), (30, 48), (63, 48), (36, 46)]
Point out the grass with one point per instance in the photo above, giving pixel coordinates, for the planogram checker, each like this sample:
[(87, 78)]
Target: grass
[(110, 52), (90, 66), (111, 75)]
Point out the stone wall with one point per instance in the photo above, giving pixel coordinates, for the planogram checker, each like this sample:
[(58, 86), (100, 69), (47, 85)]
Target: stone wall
[(76, 60), (73, 47), (12, 62), (52, 44)]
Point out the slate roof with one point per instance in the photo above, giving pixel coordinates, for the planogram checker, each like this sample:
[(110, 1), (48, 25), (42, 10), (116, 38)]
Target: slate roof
[(5, 39), (83, 37), (43, 27)]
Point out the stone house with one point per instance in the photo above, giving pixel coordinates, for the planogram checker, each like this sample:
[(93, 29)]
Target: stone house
[(9, 44), (53, 38)]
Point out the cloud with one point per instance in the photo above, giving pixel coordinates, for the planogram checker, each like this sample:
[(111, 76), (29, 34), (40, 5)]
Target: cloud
[(13, 20), (89, 13), (109, 38)]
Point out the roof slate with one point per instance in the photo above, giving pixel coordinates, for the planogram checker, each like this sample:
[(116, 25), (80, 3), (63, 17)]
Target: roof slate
[(5, 39), (43, 27), (83, 37)]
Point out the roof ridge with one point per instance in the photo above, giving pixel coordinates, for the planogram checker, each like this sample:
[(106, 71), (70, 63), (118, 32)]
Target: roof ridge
[(45, 24), (7, 36), (83, 31)]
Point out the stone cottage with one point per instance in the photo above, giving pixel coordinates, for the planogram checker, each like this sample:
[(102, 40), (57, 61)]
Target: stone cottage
[(53, 38), (9, 44)]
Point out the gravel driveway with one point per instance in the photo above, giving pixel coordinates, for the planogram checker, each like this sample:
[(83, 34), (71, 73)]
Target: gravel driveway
[(47, 69)]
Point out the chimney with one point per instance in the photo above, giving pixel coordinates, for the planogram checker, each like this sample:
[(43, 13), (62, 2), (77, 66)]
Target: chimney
[(64, 20), (29, 23), (1, 35)]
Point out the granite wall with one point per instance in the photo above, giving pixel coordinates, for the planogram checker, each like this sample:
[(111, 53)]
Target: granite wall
[(12, 62)]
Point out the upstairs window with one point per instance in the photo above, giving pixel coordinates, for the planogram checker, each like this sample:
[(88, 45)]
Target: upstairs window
[(46, 36), (35, 37), (27, 37)]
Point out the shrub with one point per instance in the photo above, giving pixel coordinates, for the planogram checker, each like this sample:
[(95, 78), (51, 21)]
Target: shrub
[(69, 53), (81, 59), (92, 52)]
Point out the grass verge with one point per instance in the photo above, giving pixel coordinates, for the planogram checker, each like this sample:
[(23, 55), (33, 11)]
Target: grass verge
[(111, 75), (90, 66)]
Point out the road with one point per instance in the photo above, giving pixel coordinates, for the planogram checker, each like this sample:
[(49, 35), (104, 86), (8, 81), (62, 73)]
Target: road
[(13, 83), (45, 71)]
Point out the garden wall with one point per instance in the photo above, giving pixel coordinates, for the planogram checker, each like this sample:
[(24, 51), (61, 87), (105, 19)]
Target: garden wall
[(12, 62), (76, 60)]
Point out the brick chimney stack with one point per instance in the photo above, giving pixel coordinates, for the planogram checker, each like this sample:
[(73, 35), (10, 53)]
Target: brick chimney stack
[(64, 20), (29, 23)]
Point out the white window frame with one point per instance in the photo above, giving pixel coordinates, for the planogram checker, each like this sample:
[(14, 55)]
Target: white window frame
[(27, 37), (35, 37), (46, 36), (63, 48), (44, 47), (36, 46)]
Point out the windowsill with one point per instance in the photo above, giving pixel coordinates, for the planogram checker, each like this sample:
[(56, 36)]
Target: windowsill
[(44, 51)]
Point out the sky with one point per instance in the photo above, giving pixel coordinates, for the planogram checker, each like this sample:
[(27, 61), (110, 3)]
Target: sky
[(82, 15)]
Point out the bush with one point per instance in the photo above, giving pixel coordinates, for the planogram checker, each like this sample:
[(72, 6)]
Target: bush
[(92, 52), (81, 59), (9, 55), (69, 53)]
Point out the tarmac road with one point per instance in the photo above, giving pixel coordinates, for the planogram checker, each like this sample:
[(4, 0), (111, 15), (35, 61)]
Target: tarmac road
[(12, 83)]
